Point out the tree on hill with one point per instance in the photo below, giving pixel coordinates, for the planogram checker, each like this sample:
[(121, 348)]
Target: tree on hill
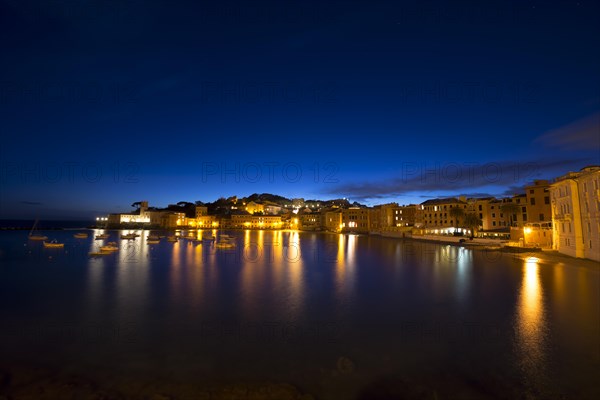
[(267, 197)]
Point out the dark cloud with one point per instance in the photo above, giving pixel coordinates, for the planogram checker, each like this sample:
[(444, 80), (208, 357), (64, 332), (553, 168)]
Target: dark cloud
[(31, 203), (583, 134), (458, 178)]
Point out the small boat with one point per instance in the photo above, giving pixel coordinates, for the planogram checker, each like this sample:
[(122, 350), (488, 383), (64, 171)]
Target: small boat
[(112, 243), (34, 236), (54, 244), (172, 239), (102, 236), (151, 241), (152, 237), (81, 235), (109, 249), (208, 237), (129, 236)]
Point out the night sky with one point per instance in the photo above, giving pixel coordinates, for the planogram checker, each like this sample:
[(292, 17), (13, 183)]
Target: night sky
[(104, 103)]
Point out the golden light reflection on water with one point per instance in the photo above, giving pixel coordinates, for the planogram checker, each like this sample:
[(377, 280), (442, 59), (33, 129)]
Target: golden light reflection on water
[(294, 277), (252, 272), (344, 268), (95, 273), (271, 266), (340, 266), (464, 262), (119, 278), (530, 321)]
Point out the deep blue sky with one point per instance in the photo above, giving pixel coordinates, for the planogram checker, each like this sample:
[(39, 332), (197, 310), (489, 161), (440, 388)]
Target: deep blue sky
[(396, 101)]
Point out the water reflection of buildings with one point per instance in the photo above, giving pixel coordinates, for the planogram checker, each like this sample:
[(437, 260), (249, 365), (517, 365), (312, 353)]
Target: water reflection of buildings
[(530, 323), (271, 262), (345, 268), (464, 262), (119, 281)]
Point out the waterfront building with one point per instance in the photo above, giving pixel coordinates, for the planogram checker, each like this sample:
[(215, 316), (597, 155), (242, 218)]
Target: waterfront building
[(310, 221), (382, 216), (140, 216), (404, 215), (538, 205), (575, 205), (148, 217), (435, 215), (355, 219), (247, 221), (206, 221), (333, 220)]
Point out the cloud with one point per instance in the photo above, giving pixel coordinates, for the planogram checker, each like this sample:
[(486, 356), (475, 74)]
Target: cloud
[(31, 203), (421, 179), (583, 134)]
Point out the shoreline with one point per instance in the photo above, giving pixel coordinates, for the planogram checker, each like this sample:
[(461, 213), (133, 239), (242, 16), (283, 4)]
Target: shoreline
[(544, 255), (481, 244)]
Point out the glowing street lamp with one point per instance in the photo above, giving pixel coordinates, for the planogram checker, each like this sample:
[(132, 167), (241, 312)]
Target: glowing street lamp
[(526, 231)]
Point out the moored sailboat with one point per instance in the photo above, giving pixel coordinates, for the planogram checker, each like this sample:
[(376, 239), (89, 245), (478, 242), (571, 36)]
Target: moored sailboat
[(36, 236), (54, 244)]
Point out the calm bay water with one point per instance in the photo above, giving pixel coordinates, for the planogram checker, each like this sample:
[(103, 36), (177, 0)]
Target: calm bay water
[(340, 316)]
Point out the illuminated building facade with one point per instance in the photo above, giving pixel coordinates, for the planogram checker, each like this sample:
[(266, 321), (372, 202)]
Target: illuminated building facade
[(355, 219), (436, 217), (246, 221), (576, 213), (333, 220)]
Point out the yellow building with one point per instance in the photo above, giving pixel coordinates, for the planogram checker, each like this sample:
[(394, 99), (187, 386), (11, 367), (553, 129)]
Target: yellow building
[(576, 213), (538, 234), (538, 202), (173, 220), (142, 216), (149, 217), (375, 219), (253, 207), (386, 215), (435, 216), (333, 220), (246, 221), (207, 221), (492, 213), (404, 215), (310, 221), (355, 219), (201, 211)]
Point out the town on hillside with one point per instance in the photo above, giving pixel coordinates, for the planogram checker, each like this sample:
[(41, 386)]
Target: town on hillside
[(562, 214)]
